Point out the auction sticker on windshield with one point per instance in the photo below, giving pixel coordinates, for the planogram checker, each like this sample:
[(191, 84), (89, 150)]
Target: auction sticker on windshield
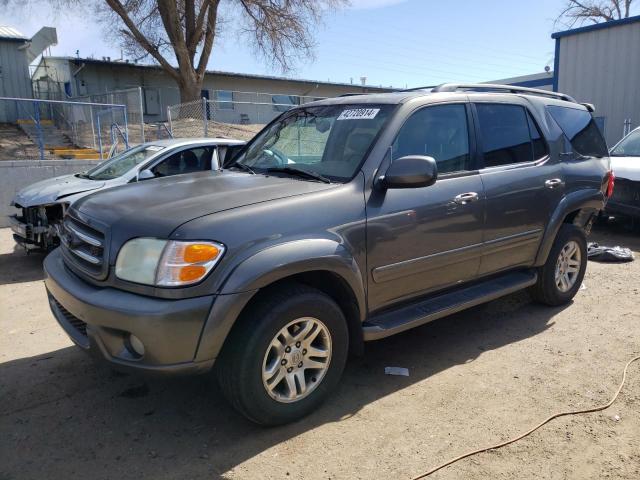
[(359, 114)]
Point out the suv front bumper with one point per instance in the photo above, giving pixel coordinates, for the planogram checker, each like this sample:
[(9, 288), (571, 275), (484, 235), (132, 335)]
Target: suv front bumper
[(100, 321)]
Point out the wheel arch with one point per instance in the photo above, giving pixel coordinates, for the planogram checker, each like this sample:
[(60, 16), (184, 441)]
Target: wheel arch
[(324, 265), (576, 208)]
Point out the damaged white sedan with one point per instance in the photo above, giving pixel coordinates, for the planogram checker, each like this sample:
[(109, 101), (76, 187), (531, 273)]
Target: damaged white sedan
[(625, 163), (42, 205)]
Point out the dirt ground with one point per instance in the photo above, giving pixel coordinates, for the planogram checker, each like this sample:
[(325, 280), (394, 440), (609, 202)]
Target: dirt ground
[(477, 377)]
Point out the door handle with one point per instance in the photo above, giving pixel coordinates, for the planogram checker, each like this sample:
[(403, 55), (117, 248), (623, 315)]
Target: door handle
[(553, 183), (465, 198)]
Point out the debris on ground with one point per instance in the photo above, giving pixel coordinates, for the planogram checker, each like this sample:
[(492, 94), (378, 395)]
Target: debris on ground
[(601, 253), (404, 372)]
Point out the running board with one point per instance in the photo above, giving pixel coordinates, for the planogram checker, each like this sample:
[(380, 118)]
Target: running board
[(416, 314)]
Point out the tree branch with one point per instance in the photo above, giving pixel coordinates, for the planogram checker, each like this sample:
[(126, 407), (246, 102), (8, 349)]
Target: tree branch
[(118, 8)]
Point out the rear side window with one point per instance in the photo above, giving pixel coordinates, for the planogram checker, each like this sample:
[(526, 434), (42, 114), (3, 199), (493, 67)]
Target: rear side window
[(581, 130), (505, 132)]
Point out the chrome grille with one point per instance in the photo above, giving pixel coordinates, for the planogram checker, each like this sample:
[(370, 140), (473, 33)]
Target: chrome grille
[(84, 245)]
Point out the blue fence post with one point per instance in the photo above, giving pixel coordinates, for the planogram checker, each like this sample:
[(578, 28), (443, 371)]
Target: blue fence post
[(36, 116), (126, 129)]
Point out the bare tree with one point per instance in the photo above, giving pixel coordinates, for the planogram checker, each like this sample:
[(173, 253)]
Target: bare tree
[(184, 31), (596, 11)]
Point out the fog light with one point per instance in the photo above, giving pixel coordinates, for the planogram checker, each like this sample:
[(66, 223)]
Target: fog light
[(135, 345)]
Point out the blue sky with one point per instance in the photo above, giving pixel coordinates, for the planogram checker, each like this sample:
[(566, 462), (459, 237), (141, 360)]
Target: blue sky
[(392, 42)]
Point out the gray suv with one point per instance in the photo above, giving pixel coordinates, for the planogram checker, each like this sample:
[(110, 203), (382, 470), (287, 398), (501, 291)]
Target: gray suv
[(343, 221)]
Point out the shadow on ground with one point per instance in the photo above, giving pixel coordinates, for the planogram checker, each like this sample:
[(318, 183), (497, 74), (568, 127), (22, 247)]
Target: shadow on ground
[(18, 266), (63, 416)]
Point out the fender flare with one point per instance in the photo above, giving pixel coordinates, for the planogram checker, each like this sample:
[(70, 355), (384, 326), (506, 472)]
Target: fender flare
[(267, 267), (588, 201)]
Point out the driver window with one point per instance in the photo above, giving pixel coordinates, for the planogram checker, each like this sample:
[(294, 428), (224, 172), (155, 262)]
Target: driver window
[(186, 161), (440, 132)]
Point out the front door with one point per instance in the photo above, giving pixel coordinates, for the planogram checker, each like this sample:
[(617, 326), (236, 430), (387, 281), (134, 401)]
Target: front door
[(522, 185), (424, 239)]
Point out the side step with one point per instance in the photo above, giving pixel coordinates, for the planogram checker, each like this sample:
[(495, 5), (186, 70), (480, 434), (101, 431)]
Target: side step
[(419, 313)]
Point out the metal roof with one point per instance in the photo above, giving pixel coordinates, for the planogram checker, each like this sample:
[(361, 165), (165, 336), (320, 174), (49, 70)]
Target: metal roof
[(10, 33), (356, 86), (596, 26)]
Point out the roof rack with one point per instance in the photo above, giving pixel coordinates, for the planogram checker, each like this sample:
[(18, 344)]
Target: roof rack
[(353, 94), (417, 89), (453, 87)]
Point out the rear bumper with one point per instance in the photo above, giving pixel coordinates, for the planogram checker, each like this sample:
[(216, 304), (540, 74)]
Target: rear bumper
[(626, 199), (100, 321), (619, 208)]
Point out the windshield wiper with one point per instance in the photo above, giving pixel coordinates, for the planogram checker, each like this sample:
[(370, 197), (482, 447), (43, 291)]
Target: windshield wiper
[(242, 166), (84, 175), (299, 172)]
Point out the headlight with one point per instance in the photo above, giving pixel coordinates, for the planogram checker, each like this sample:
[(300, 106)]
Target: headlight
[(166, 263)]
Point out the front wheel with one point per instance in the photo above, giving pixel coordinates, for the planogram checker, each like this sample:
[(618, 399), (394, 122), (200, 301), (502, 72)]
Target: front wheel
[(285, 356), (561, 276)]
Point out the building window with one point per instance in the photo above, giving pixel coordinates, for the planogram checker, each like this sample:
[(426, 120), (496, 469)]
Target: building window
[(224, 99), (282, 103)]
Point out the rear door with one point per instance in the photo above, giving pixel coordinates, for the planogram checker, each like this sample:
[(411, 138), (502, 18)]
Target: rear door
[(521, 182), (420, 240)]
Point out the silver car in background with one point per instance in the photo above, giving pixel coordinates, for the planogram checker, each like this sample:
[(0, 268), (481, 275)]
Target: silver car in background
[(42, 205), (625, 162)]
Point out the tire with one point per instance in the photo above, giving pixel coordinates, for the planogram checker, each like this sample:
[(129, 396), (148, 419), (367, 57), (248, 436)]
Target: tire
[(256, 346), (553, 290)]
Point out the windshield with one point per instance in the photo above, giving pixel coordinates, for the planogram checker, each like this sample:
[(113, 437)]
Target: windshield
[(629, 146), (329, 141), (121, 164)]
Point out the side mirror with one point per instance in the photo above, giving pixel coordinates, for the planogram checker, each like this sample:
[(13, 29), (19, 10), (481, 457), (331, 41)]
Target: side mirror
[(146, 175), (412, 171)]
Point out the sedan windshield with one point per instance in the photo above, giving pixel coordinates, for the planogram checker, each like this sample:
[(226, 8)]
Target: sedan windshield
[(121, 164), (629, 146), (328, 143)]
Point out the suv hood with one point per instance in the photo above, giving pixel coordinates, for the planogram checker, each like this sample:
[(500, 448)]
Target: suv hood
[(154, 208), (626, 167), (50, 190)]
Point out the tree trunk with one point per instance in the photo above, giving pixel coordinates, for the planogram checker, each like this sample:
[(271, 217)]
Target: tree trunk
[(190, 88)]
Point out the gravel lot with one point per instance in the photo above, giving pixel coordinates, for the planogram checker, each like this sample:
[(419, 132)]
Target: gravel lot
[(475, 378)]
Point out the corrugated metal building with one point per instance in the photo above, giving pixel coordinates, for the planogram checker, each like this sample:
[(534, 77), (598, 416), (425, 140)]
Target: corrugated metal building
[(14, 70), (600, 64)]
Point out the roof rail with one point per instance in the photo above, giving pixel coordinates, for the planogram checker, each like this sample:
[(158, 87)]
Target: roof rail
[(453, 87), (353, 94), (417, 89)]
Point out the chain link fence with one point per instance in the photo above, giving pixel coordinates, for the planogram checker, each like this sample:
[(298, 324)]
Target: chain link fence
[(64, 128), (230, 114), (132, 98)]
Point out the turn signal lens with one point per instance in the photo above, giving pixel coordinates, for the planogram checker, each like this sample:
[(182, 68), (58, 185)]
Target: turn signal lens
[(191, 273), (200, 252), (184, 263)]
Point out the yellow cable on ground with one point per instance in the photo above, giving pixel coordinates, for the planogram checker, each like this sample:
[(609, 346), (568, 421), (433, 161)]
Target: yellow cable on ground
[(529, 432)]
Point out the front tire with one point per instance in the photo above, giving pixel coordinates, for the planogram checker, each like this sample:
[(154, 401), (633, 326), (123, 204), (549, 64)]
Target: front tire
[(561, 276), (285, 356)]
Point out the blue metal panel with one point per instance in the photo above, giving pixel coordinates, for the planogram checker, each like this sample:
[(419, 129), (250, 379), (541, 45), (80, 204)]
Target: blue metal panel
[(540, 82), (556, 66), (596, 26)]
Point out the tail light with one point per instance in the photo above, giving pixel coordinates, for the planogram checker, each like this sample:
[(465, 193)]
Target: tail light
[(611, 180)]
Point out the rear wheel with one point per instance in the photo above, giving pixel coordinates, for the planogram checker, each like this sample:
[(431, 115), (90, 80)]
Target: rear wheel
[(561, 276), (285, 356)]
